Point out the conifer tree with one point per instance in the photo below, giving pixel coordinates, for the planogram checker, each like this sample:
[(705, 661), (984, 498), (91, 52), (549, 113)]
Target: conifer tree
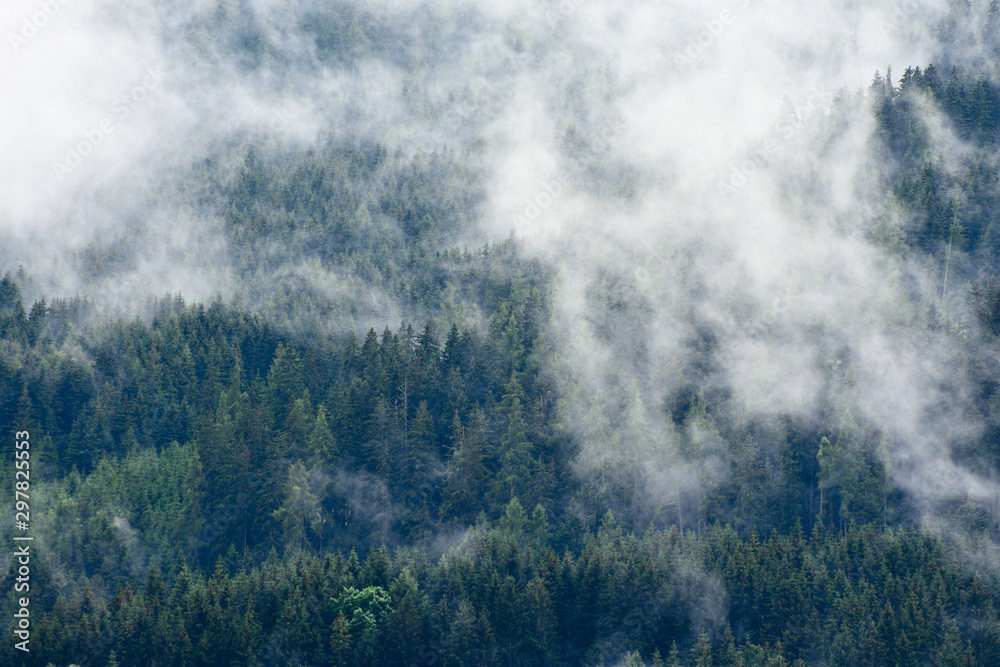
[(516, 450), (323, 446)]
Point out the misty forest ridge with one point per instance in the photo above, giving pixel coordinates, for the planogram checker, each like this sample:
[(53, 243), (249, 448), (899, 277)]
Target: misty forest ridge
[(521, 332)]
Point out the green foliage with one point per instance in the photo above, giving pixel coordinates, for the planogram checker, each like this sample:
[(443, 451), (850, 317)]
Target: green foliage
[(844, 599), (364, 609), (207, 477)]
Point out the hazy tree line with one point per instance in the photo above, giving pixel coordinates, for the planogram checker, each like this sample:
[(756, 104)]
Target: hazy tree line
[(218, 485), (507, 597)]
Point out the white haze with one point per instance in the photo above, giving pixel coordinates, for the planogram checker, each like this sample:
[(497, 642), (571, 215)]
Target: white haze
[(601, 149)]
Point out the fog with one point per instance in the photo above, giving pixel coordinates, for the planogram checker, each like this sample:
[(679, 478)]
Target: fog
[(700, 176)]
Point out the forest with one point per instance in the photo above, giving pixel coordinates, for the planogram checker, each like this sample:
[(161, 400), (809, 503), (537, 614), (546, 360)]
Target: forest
[(409, 462), (217, 491)]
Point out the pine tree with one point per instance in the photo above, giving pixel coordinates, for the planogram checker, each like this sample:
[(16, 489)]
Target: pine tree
[(322, 445), (421, 448), (516, 450), (301, 508), (457, 400), (350, 360), (247, 637), (512, 346), (633, 659), (340, 641), (508, 620), (674, 658), (467, 472), (538, 528), (405, 624), (297, 425), (385, 447), (730, 656), (451, 357), (285, 382), (702, 651), (540, 622)]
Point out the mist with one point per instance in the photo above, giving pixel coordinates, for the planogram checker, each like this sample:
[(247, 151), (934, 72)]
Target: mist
[(673, 161)]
